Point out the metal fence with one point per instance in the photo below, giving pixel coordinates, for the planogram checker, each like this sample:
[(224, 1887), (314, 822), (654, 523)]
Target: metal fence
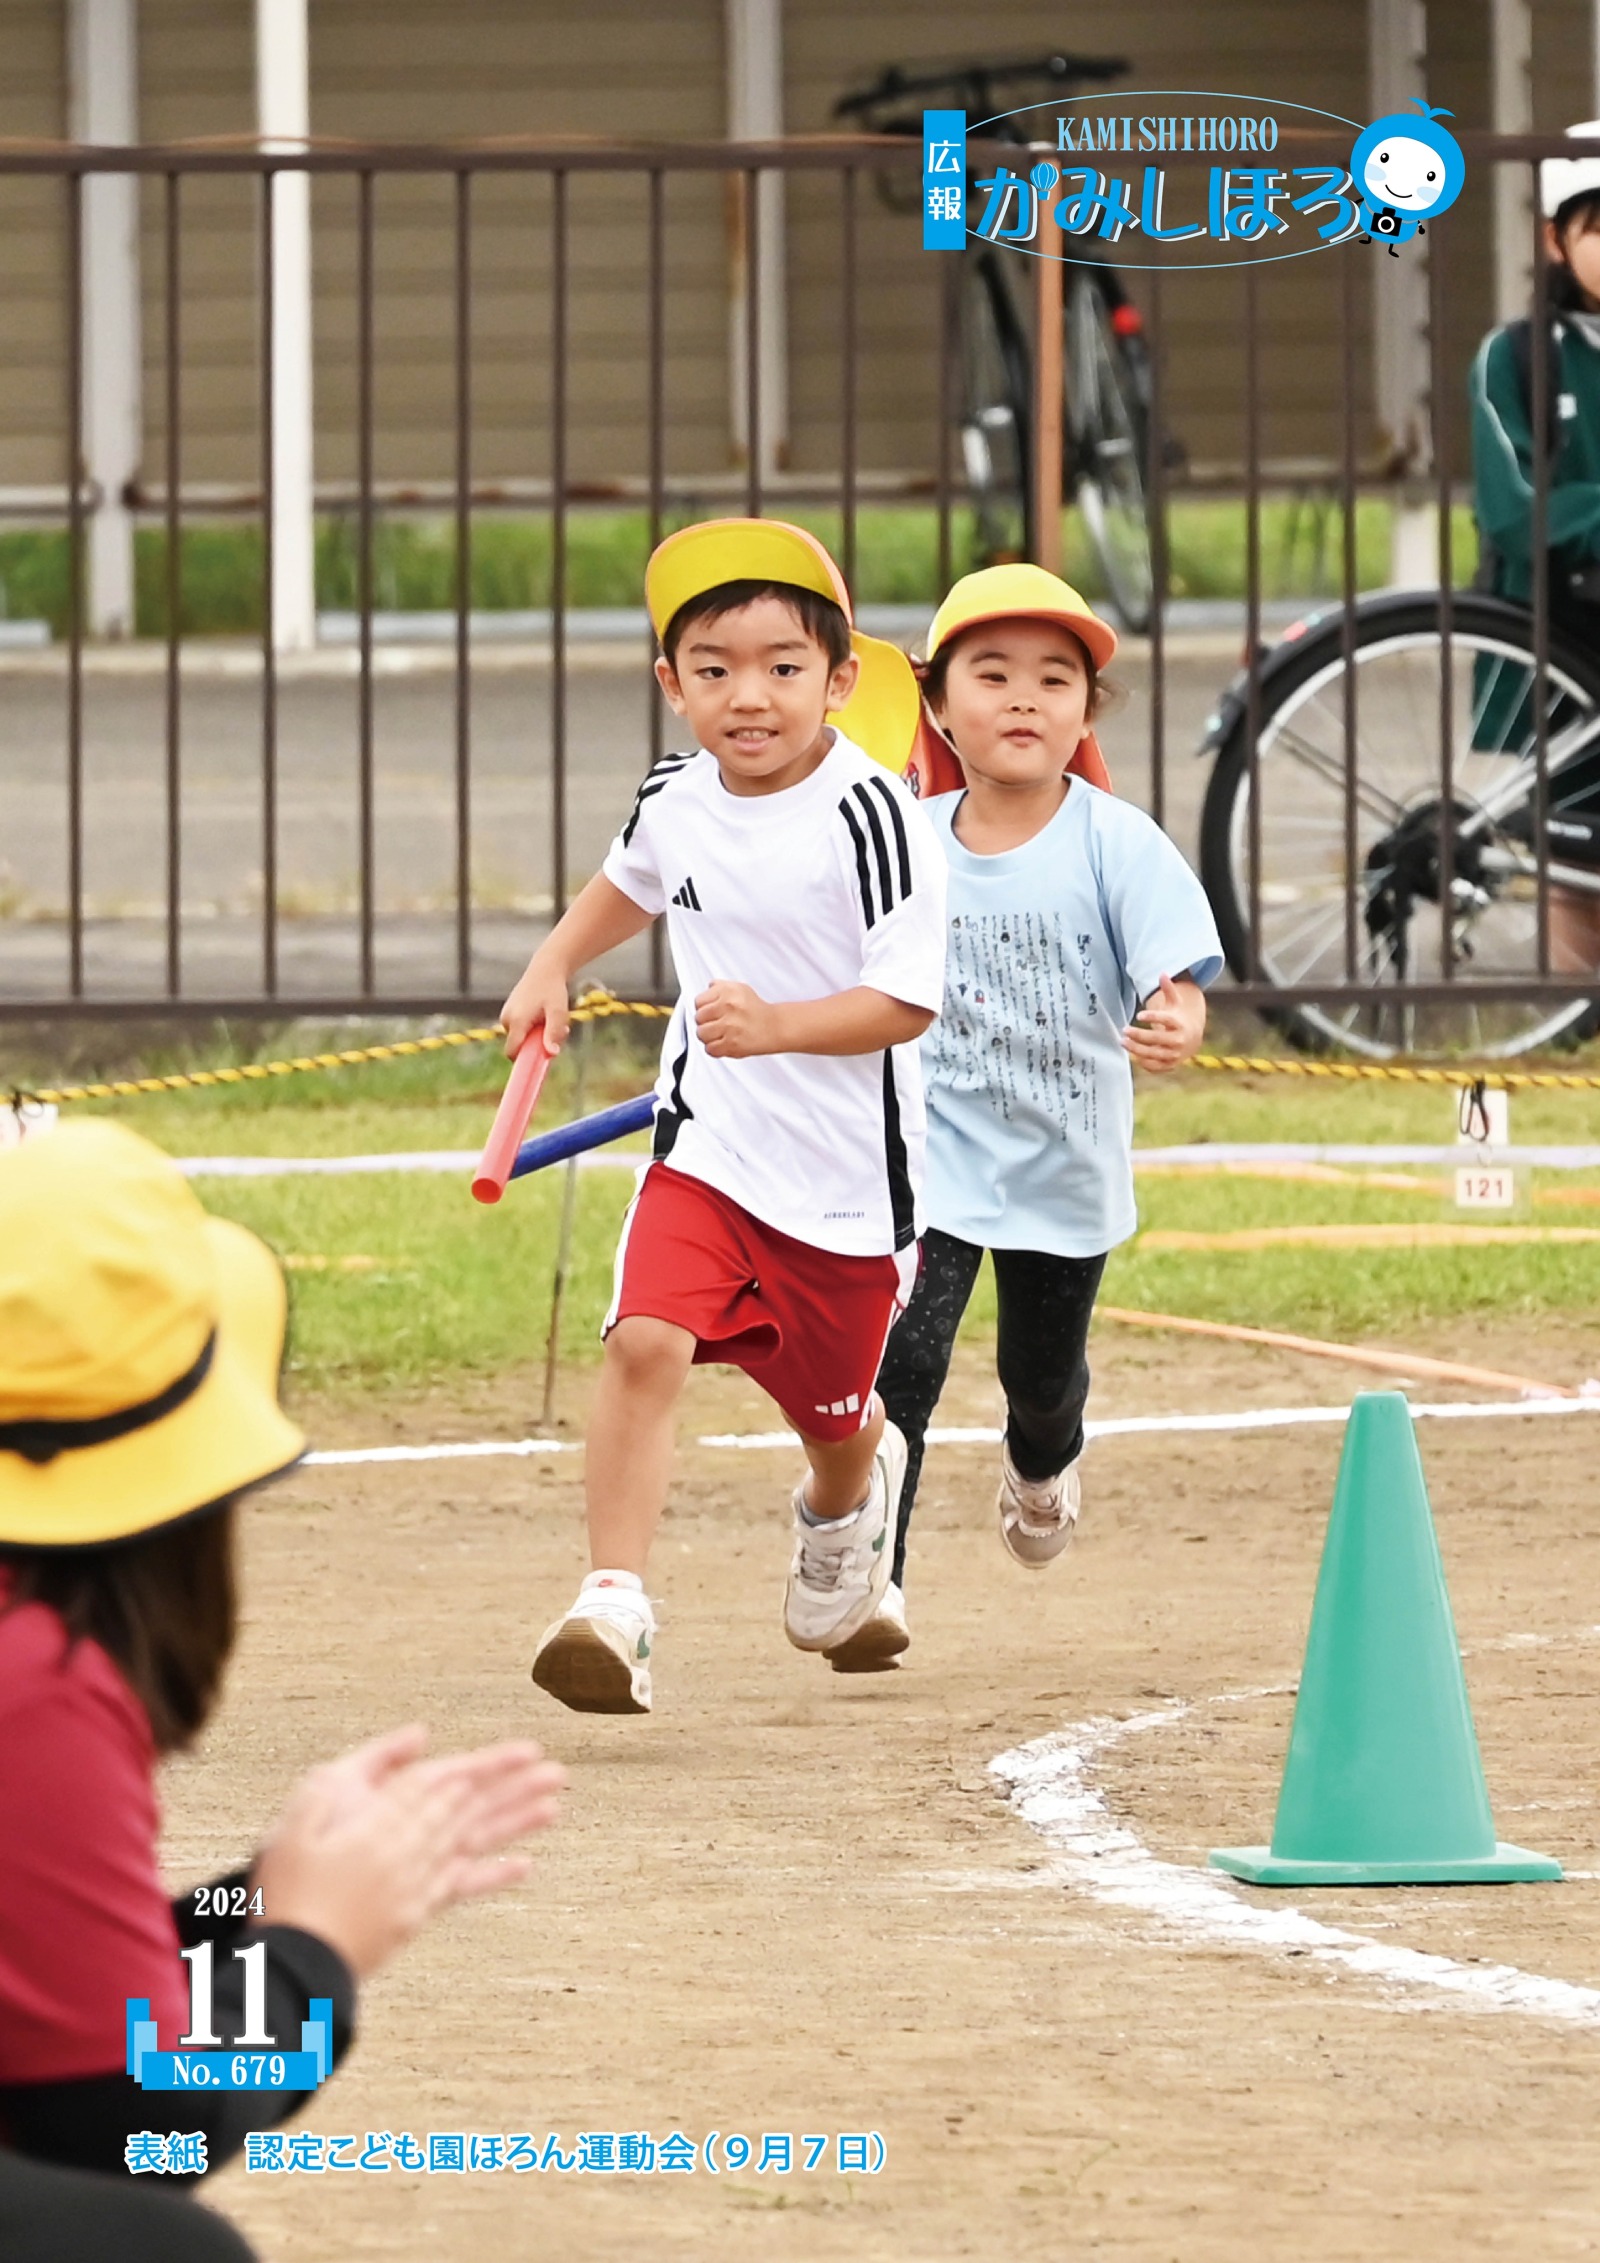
[(1379, 846)]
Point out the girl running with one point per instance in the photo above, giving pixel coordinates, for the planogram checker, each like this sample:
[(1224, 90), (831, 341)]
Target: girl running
[(1079, 943)]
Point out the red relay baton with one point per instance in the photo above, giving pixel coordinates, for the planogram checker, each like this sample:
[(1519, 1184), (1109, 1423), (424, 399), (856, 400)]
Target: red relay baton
[(517, 1103)]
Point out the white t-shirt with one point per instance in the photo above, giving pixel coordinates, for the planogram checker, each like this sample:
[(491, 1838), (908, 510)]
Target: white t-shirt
[(832, 884)]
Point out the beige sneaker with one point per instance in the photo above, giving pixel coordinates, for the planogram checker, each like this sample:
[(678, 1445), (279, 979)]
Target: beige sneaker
[(839, 1571), (877, 1647), (596, 1659), (1037, 1516)]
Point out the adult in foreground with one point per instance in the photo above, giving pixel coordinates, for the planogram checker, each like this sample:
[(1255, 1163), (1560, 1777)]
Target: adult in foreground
[(140, 1343)]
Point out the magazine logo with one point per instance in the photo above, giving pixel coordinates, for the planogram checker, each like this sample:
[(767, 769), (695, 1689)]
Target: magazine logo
[(1403, 170)]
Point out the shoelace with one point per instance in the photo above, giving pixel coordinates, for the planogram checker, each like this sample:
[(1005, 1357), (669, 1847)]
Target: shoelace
[(622, 1606), (1034, 1515), (823, 1569)]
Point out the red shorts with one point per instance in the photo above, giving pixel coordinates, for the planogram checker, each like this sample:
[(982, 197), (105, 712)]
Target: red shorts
[(806, 1324)]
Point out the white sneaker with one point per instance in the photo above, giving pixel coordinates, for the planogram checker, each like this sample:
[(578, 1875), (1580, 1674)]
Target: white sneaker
[(839, 1571), (596, 1659), (877, 1646), (1038, 1516)]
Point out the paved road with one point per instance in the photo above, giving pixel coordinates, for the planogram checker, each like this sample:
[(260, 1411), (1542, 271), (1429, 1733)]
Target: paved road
[(609, 697)]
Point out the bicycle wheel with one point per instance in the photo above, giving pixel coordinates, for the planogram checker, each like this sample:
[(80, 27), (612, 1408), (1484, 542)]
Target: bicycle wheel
[(1398, 926), (994, 413), (1107, 425)]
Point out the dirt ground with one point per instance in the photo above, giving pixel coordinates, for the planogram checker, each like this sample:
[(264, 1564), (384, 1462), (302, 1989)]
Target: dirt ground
[(791, 1901)]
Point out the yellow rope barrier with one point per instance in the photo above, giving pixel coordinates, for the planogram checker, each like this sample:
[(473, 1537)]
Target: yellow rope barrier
[(600, 1005), (1396, 1072), (594, 1005)]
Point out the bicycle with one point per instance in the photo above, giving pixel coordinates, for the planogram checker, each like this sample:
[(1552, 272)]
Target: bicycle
[(1106, 427), (1304, 868)]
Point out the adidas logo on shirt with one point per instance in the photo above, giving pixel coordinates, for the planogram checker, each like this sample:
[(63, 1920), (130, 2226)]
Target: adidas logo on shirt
[(687, 898)]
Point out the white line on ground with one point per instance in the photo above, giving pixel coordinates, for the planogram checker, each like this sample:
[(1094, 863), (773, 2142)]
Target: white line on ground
[(319, 1166), (1128, 1426), (626, 1159), (1248, 1418), (477, 1450), (1210, 1154), (1051, 1785), (443, 1159)]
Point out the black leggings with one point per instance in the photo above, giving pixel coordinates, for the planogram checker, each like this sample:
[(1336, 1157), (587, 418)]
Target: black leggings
[(50, 2215), (1045, 1304)]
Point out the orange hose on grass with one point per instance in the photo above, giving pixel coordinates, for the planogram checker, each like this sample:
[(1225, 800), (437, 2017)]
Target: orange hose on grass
[(1328, 1174), (1441, 1234), (1352, 1355)]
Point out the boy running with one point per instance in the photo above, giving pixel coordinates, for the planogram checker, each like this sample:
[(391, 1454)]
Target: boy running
[(1078, 938), (776, 1226)]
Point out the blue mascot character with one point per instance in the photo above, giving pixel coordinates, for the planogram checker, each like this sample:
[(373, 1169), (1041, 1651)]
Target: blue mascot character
[(1406, 169)]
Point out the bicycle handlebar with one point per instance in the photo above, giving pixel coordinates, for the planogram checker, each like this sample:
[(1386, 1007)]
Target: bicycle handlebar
[(976, 79)]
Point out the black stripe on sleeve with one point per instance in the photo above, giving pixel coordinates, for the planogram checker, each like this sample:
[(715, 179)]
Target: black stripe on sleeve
[(659, 775), (868, 913), (880, 846), (885, 791), (671, 1119), (902, 1202)]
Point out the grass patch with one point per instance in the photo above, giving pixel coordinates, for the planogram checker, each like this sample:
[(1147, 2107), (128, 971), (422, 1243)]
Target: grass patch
[(1347, 1294), (428, 1100), (897, 557), (439, 1099), (1217, 1106), (460, 1291), (456, 1291)]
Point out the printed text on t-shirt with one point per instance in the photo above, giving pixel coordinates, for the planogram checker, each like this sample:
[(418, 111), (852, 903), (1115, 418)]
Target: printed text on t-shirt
[(1013, 984)]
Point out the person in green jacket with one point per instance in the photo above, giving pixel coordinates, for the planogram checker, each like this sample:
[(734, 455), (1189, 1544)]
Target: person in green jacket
[(1502, 413), (1502, 467)]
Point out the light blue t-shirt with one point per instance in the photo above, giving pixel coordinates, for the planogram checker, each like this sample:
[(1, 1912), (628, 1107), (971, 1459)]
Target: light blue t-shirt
[(1053, 947)]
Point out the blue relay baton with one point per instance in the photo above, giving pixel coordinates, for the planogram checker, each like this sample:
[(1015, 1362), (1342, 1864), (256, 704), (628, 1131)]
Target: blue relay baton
[(588, 1131)]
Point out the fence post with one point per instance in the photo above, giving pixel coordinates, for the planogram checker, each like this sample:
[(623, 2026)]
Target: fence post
[(1049, 397), (283, 115), (1511, 107), (103, 88), (759, 330)]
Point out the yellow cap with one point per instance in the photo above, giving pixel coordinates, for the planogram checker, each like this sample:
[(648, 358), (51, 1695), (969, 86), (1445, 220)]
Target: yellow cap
[(140, 1342), (698, 558), (882, 712), (1001, 593)]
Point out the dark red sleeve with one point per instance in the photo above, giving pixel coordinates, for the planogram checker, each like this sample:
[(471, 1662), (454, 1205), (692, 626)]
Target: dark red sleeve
[(84, 1922)]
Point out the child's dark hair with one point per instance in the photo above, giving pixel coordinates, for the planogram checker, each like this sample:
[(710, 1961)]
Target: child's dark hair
[(934, 673), (1580, 213), (822, 620), (162, 1604)]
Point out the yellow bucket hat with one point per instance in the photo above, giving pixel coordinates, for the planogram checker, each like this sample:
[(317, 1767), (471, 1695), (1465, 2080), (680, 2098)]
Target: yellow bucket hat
[(140, 1342), (998, 593), (882, 713)]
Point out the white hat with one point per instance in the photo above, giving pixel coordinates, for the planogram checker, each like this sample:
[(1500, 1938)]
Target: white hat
[(1563, 178)]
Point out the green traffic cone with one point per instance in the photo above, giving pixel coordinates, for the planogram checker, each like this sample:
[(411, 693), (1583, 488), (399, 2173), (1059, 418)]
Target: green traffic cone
[(1383, 1784)]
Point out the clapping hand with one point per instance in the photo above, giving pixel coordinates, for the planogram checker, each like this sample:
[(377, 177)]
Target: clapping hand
[(373, 1844)]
